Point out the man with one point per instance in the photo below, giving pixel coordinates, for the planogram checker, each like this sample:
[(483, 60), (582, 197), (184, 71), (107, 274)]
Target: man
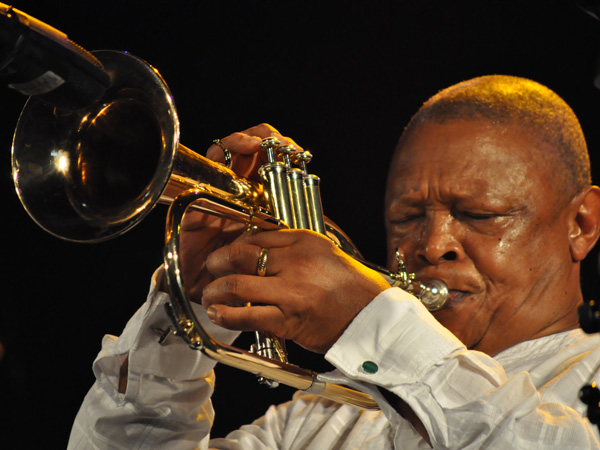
[(489, 190)]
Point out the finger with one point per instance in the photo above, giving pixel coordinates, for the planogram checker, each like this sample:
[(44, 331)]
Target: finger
[(244, 259), (239, 142), (196, 220), (249, 318), (265, 130), (243, 142), (245, 152), (248, 142), (238, 290), (239, 258), (280, 238), (247, 166)]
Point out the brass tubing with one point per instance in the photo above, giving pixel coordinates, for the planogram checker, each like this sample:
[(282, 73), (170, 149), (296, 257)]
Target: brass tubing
[(298, 199), (275, 177), (315, 207)]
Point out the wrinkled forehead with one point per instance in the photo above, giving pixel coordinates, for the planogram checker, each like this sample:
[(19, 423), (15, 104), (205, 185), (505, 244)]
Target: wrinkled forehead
[(507, 135), (470, 156)]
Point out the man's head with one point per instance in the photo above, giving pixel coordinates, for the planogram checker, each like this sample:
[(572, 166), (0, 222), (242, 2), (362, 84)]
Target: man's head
[(489, 190), (533, 108)]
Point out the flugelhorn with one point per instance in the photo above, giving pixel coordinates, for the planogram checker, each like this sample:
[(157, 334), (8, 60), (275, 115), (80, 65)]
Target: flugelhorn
[(90, 174)]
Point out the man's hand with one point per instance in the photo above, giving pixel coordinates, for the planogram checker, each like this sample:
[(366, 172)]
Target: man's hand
[(246, 153), (311, 292), (203, 233)]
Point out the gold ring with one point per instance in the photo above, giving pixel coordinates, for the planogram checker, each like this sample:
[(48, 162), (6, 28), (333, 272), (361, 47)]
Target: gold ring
[(261, 268)]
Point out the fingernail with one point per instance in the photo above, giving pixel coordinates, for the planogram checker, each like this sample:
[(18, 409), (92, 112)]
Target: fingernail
[(211, 312)]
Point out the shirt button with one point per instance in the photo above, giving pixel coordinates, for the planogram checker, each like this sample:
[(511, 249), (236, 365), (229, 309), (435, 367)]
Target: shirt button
[(370, 367)]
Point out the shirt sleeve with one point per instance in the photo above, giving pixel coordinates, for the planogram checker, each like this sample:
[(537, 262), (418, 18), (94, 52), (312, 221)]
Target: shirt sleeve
[(167, 401), (463, 398)]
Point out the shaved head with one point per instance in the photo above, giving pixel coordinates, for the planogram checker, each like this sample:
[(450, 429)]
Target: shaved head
[(531, 107)]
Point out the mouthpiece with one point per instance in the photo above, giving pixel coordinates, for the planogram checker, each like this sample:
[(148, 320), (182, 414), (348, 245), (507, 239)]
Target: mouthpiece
[(433, 294)]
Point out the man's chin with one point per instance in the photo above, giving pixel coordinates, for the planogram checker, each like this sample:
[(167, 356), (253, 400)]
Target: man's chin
[(458, 315)]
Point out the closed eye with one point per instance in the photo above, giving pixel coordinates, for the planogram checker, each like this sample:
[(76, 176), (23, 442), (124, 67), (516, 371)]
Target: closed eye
[(478, 215), (405, 219)]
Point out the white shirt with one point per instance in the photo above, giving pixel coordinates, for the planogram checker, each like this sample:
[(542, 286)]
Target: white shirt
[(526, 397)]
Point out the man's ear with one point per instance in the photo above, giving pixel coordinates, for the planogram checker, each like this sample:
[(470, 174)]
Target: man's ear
[(584, 222)]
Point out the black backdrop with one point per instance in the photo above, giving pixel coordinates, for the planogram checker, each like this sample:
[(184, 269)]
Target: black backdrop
[(342, 78)]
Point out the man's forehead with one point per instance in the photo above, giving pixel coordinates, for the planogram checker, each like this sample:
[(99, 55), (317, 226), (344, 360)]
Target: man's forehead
[(467, 141), (413, 189), (466, 158)]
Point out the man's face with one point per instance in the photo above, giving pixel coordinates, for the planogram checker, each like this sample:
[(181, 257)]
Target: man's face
[(469, 203)]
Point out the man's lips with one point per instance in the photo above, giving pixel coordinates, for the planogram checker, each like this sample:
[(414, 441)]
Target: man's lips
[(460, 285), (456, 296)]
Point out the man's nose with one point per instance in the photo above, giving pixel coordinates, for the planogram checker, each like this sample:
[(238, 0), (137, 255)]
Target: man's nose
[(438, 241)]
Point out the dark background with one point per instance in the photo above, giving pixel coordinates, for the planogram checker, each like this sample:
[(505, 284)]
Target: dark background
[(342, 78)]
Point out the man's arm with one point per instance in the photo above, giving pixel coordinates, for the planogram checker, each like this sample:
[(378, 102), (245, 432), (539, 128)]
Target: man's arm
[(462, 398), (166, 403)]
